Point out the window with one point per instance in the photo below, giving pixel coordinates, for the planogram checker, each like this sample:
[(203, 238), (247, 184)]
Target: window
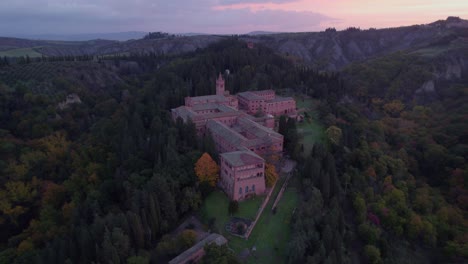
[(253, 188), (246, 189), (240, 190)]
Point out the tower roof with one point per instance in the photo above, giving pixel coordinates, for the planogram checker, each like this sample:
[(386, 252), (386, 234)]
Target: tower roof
[(220, 77), (242, 158)]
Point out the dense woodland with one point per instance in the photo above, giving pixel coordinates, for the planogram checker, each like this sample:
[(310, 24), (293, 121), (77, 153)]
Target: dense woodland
[(104, 180)]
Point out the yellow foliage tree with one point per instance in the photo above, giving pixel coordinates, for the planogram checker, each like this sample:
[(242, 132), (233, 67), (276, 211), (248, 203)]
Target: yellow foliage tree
[(207, 170), (56, 146), (334, 134), (25, 245), (394, 108), (271, 176)]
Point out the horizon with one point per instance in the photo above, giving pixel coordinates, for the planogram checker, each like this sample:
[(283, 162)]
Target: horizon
[(54, 17), (58, 36)]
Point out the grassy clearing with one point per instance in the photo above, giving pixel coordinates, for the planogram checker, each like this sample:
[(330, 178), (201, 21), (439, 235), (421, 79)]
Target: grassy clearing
[(20, 52), (270, 235), (310, 130), (216, 206)]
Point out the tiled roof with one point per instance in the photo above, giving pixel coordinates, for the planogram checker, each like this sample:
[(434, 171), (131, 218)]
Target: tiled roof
[(262, 135), (262, 92), (213, 106), (220, 114), (210, 98), (184, 112), (226, 133), (187, 113), (241, 158), (250, 96), (187, 254), (257, 129), (281, 99)]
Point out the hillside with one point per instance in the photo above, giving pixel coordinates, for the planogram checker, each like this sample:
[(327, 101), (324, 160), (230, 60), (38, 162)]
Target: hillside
[(329, 50), (333, 50), (170, 45)]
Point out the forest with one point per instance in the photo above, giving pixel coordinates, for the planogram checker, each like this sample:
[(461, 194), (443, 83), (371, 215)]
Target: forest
[(105, 179)]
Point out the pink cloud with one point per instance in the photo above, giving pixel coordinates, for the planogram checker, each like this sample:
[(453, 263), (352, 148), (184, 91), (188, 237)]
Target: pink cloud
[(364, 13)]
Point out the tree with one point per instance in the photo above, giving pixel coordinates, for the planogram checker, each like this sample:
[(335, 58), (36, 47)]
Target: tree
[(360, 207), (368, 233), (186, 239), (372, 254), (334, 134), (218, 254), (394, 108), (207, 170), (282, 127), (271, 176), (233, 207), (138, 260)]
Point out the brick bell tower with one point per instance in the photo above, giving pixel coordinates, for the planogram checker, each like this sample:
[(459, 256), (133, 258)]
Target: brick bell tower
[(220, 85)]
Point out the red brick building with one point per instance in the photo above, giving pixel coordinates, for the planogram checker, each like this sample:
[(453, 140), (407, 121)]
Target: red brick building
[(240, 138), (242, 174), (266, 102)]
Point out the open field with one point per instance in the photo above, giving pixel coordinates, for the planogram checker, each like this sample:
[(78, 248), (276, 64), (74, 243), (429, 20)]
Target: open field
[(20, 52)]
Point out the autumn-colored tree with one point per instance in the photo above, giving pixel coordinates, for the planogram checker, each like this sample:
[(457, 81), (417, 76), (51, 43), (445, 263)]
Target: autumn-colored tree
[(54, 194), (207, 170), (394, 108), (271, 176), (55, 145), (186, 239), (334, 134)]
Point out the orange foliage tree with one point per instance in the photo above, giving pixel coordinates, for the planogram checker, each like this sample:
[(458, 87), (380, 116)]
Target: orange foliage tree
[(207, 170)]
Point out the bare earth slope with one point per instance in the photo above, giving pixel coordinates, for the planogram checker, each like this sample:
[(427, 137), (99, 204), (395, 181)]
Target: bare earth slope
[(329, 50), (333, 50)]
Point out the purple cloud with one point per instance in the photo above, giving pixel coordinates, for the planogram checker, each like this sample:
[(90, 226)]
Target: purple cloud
[(178, 16)]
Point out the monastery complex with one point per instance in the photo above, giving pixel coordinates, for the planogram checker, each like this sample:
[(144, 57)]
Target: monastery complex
[(242, 128)]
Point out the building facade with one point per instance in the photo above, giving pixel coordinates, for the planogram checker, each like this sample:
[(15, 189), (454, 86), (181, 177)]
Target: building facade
[(242, 174), (241, 138), (266, 102)]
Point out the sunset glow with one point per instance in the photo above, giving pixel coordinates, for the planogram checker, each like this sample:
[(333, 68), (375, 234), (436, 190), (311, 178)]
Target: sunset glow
[(217, 16), (364, 13)]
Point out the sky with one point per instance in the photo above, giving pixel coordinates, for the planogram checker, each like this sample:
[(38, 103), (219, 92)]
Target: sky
[(216, 16)]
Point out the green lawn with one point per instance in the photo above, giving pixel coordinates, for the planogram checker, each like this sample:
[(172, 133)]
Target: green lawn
[(310, 130), (272, 232), (216, 206), (270, 235), (20, 52)]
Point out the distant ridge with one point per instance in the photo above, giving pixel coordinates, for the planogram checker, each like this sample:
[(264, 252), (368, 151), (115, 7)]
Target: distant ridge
[(329, 50), (119, 36), (256, 33)]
